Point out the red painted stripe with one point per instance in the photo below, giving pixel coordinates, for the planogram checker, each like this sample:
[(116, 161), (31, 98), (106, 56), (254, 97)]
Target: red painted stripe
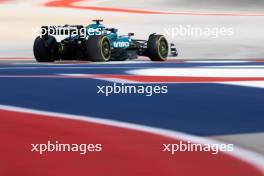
[(171, 79), (69, 4), (146, 79), (125, 152)]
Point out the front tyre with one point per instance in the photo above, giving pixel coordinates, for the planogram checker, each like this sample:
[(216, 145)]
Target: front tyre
[(45, 50), (98, 48), (157, 48)]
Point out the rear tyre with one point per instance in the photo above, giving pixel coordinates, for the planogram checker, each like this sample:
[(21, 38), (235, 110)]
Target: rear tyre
[(157, 48), (98, 48), (45, 50)]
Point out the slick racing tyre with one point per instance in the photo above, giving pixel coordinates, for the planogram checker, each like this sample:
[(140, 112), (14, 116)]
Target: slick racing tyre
[(157, 48), (45, 50), (98, 48)]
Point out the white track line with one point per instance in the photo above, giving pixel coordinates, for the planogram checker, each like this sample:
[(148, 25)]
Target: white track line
[(234, 66), (200, 72), (219, 61)]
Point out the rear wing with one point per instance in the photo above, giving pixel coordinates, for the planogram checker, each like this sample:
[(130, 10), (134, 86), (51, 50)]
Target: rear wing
[(63, 30)]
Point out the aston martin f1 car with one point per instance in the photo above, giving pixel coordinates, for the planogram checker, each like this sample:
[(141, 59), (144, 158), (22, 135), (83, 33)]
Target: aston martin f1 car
[(97, 43)]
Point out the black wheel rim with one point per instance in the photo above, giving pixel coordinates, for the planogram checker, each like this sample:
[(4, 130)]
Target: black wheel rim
[(106, 49), (163, 48)]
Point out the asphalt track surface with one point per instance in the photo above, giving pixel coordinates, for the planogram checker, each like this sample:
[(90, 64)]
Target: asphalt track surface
[(188, 110), (246, 43), (72, 88), (208, 101)]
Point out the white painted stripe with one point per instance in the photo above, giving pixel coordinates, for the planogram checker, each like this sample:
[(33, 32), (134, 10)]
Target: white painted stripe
[(250, 157), (218, 61), (234, 66), (199, 72), (92, 76)]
